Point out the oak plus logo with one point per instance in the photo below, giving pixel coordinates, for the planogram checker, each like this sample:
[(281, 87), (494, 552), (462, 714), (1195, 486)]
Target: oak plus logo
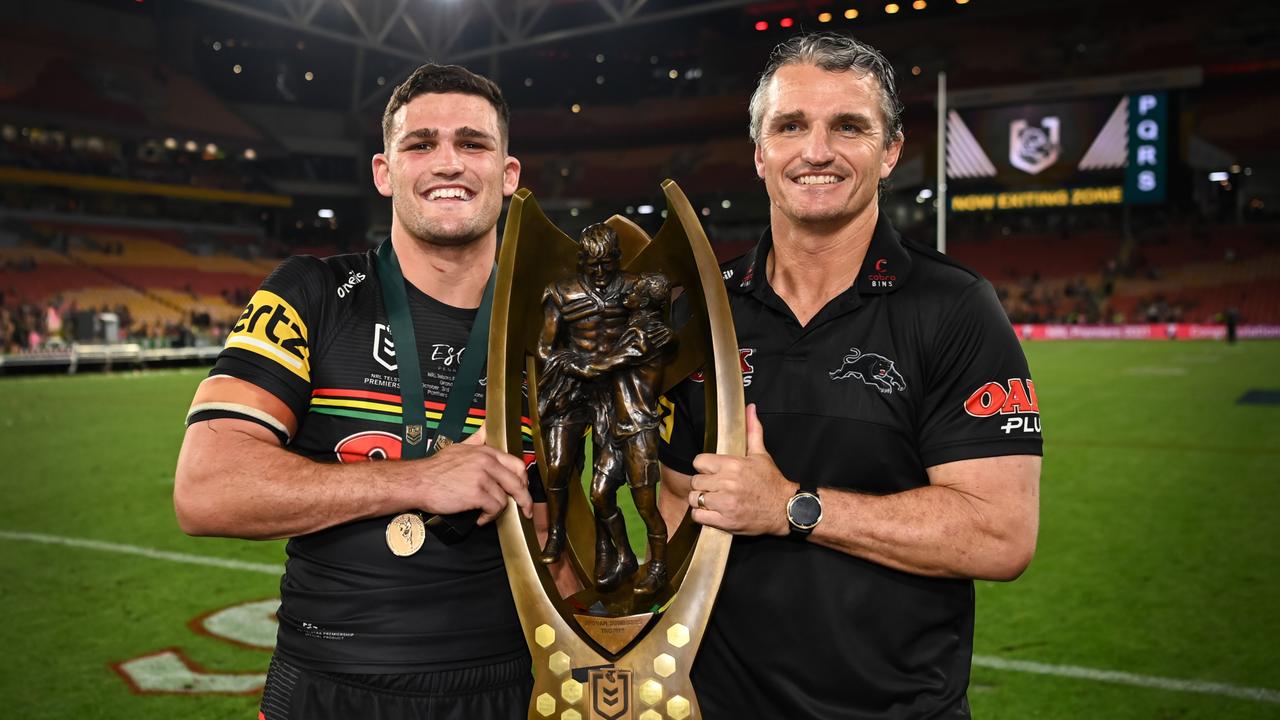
[(1015, 398)]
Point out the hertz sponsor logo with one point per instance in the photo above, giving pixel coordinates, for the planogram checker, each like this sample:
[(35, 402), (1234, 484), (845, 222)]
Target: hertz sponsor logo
[(668, 418), (270, 327)]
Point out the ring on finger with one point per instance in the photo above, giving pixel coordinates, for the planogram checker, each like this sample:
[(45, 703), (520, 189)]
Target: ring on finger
[(702, 501)]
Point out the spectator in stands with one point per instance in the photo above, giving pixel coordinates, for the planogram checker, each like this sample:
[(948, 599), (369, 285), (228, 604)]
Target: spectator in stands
[(7, 331)]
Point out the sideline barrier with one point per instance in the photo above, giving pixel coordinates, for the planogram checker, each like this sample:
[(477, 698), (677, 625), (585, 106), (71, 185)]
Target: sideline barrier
[(132, 355), (1150, 331), (105, 357)]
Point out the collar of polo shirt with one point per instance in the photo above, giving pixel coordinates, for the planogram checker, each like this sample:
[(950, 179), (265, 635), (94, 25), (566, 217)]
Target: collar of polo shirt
[(885, 268)]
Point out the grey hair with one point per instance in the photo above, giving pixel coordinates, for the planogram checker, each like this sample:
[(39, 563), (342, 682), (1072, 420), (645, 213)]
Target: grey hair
[(832, 52)]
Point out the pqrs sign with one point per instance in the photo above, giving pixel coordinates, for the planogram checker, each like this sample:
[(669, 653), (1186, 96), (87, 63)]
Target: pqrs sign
[(1146, 170)]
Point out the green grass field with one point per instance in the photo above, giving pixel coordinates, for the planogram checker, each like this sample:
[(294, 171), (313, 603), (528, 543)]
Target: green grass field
[(1157, 560)]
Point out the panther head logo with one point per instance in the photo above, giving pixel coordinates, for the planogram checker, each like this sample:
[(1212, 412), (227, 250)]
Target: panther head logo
[(874, 370), (1033, 148)]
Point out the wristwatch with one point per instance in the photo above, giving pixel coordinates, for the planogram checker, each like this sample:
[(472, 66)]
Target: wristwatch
[(804, 510)]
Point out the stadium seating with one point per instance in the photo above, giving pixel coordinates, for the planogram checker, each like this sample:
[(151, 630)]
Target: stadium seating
[(1196, 274), (146, 271)]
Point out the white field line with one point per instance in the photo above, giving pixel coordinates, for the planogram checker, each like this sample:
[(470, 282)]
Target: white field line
[(1124, 678), (987, 661), (144, 552)]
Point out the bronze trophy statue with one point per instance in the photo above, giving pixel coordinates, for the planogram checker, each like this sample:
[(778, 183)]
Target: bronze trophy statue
[(584, 328), (602, 344)]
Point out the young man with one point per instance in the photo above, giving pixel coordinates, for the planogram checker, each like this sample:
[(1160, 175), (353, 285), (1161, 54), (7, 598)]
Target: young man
[(378, 619), (882, 473)]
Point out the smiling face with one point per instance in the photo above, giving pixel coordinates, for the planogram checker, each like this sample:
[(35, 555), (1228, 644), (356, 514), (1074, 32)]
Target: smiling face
[(823, 147), (446, 169)]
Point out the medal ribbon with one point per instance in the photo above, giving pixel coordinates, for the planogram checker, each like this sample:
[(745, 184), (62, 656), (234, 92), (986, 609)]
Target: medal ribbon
[(450, 528)]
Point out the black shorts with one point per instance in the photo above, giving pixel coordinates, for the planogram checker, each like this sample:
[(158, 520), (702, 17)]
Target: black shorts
[(497, 691)]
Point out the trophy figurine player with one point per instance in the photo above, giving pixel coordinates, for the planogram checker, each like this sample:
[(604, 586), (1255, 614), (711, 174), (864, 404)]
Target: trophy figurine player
[(602, 344), (583, 339)]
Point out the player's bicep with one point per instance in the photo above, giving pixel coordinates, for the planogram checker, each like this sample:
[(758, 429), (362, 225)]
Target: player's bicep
[(1003, 491), (222, 397)]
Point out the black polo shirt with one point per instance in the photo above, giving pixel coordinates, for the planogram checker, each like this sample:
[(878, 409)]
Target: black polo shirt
[(916, 365)]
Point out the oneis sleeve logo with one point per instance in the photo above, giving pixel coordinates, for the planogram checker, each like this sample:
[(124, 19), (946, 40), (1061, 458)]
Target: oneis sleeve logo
[(270, 327), (1016, 397)]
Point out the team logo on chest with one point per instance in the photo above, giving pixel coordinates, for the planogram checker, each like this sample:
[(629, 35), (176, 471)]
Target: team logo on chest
[(872, 369), (384, 347)]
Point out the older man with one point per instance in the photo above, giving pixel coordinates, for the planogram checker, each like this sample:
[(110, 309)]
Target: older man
[(893, 436)]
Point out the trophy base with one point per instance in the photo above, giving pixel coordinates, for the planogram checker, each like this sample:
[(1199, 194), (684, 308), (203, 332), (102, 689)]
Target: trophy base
[(614, 619)]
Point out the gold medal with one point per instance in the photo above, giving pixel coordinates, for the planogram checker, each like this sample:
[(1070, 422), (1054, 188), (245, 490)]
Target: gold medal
[(406, 533)]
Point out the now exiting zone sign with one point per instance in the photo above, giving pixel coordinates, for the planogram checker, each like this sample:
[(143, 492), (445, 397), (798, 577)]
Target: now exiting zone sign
[(250, 625)]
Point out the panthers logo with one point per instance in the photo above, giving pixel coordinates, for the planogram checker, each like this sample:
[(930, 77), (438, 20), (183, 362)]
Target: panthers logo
[(874, 370), (1033, 148)]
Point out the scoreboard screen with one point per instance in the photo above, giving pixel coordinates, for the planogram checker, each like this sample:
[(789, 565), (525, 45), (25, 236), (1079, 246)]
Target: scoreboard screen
[(1093, 151)]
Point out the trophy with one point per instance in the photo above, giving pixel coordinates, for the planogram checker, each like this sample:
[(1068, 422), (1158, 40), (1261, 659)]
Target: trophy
[(583, 328)]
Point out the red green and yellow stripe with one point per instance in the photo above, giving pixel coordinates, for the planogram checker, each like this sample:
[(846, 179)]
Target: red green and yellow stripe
[(385, 408)]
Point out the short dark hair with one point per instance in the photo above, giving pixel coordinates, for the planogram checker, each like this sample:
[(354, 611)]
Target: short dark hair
[(431, 78), (833, 52)]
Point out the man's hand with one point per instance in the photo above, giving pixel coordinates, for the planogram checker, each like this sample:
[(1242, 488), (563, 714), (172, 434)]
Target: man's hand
[(472, 476), (743, 495)]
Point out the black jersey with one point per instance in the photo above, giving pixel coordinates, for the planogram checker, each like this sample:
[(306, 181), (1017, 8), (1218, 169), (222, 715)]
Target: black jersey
[(914, 366), (316, 336)]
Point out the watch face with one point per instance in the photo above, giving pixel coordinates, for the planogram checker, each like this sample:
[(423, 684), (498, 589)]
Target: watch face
[(804, 510)]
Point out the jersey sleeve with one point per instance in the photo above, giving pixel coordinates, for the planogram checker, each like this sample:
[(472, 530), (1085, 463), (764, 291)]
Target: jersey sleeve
[(981, 400), (529, 453), (271, 344), (682, 427)]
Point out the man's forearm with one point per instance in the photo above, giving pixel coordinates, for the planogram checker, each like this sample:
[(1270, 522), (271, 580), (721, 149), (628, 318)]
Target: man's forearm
[(936, 530), (976, 519), (234, 480), (269, 492)]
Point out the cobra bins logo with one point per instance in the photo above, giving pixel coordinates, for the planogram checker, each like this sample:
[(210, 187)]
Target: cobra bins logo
[(1015, 398)]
